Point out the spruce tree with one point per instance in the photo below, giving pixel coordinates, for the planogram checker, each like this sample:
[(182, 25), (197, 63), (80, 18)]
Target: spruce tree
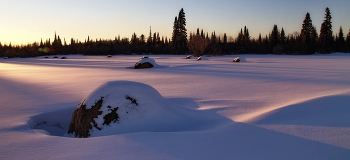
[(326, 33), (182, 28), (149, 39), (274, 40), (307, 35), (175, 35), (180, 33), (340, 41), (348, 42), (57, 45), (283, 37), (225, 38)]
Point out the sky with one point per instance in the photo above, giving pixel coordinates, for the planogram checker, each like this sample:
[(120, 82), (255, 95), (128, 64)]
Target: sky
[(28, 21)]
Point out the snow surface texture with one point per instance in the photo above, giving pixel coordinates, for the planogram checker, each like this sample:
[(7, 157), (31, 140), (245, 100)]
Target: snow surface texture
[(270, 107)]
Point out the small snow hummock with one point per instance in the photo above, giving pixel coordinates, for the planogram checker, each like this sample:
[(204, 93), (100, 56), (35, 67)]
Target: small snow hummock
[(145, 62), (189, 57), (239, 59), (202, 58)]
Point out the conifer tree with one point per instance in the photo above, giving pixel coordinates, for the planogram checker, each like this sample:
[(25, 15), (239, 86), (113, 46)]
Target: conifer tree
[(182, 28), (134, 39), (259, 39), (149, 39), (213, 37), (283, 38), (175, 32), (340, 41), (225, 38), (57, 45), (142, 39), (240, 37), (180, 32), (307, 35), (348, 42), (274, 40), (326, 33), (197, 34), (246, 36)]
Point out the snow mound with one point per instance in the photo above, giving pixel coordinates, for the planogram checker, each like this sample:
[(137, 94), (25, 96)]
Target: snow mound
[(124, 107), (146, 62)]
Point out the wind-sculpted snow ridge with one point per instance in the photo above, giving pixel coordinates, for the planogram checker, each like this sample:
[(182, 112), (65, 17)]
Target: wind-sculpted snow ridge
[(328, 109), (323, 119)]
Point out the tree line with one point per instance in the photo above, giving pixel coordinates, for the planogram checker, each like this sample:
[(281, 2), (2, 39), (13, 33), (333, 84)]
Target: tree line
[(305, 42)]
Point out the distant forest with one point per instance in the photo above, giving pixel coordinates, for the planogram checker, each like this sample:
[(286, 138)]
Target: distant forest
[(307, 41)]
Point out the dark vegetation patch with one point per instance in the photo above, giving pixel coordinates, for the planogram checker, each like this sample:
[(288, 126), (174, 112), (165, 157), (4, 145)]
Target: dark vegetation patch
[(83, 119), (111, 117)]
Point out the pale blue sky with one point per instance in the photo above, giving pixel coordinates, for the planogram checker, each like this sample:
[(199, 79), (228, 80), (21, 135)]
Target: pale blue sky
[(26, 21)]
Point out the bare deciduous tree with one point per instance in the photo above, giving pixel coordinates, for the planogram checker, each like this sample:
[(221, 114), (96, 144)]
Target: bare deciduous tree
[(197, 45)]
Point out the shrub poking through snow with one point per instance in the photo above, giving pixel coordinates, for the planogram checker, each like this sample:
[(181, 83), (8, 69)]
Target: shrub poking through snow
[(145, 62)]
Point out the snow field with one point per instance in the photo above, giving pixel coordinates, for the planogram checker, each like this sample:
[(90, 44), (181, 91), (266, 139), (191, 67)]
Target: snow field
[(270, 107)]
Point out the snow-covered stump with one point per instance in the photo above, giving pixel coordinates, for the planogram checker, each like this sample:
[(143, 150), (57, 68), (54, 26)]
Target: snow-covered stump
[(145, 62)]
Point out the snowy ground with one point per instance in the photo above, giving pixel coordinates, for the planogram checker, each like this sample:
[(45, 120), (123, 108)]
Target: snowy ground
[(270, 107)]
